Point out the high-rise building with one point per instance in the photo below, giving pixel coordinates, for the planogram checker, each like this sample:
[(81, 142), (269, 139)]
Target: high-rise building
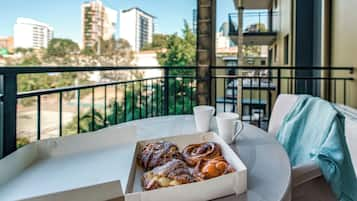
[(29, 33), (98, 22), (137, 27)]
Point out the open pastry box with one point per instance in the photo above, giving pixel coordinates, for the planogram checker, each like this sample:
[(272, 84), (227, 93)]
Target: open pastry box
[(232, 183), (102, 166)]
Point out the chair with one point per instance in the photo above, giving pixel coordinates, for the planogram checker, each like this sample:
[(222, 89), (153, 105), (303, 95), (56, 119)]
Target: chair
[(307, 181)]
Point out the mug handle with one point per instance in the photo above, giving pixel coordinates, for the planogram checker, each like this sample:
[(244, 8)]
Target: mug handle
[(238, 131), (213, 111)]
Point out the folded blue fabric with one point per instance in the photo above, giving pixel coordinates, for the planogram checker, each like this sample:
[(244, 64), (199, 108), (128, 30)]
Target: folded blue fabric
[(315, 131)]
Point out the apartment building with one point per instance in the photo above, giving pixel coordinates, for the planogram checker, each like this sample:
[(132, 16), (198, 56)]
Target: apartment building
[(137, 27), (98, 23), (29, 33), (306, 33), (317, 33)]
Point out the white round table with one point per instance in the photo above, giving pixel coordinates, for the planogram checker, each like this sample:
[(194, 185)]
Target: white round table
[(269, 170)]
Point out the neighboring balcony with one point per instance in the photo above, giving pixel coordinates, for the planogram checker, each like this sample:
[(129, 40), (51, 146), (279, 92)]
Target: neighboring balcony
[(257, 28), (254, 4)]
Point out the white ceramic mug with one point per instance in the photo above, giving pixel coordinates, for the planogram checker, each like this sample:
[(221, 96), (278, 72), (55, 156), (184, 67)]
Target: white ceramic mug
[(203, 115), (229, 126)]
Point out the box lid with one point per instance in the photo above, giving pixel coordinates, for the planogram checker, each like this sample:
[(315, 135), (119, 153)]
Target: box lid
[(60, 167)]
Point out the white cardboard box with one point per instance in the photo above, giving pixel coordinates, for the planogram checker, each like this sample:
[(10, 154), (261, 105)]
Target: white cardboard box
[(95, 167), (233, 183), (88, 167)]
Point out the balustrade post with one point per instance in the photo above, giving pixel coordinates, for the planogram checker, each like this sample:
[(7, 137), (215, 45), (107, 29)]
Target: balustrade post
[(279, 82), (166, 91), (8, 88)]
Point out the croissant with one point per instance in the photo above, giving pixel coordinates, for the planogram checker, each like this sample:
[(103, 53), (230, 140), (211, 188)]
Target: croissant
[(174, 172), (157, 154), (207, 169), (193, 153)]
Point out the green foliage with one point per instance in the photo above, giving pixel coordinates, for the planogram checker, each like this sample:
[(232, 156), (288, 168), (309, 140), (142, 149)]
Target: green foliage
[(23, 50), (121, 53), (31, 61), (121, 111), (252, 51), (61, 47), (22, 141), (150, 104), (180, 51), (159, 42), (31, 82), (88, 51)]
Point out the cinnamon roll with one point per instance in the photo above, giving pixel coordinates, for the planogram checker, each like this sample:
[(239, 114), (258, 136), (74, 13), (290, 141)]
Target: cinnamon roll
[(193, 153), (174, 172), (207, 169), (156, 154)]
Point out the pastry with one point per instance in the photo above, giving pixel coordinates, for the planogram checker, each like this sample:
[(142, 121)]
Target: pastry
[(193, 153), (210, 168), (174, 172), (156, 154)]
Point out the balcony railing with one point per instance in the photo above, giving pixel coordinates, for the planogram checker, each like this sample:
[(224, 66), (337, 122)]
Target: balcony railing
[(253, 22), (251, 91)]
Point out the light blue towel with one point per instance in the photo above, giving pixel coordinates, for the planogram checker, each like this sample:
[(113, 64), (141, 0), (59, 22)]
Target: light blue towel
[(314, 131)]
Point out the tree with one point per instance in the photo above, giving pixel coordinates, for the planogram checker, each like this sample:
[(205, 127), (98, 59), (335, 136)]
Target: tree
[(180, 51), (23, 50), (159, 42), (88, 51), (133, 106), (121, 53), (31, 61), (126, 109), (61, 47)]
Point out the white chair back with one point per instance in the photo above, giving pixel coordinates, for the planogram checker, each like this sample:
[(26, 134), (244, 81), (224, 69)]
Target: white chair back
[(281, 108), (285, 102)]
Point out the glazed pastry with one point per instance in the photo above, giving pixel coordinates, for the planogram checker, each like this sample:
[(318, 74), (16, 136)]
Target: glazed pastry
[(193, 153), (157, 154), (207, 169), (174, 172)]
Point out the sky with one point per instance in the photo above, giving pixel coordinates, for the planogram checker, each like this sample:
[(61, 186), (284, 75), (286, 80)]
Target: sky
[(65, 15)]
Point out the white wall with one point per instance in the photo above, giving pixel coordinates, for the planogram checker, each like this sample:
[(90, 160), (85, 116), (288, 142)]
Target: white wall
[(110, 21), (148, 59), (344, 44), (128, 27), (23, 36)]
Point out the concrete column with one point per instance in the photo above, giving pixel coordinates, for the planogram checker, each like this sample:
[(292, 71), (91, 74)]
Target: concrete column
[(206, 49), (240, 41), (240, 55)]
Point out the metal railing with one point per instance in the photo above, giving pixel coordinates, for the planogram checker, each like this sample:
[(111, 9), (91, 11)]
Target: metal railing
[(253, 22), (250, 91)]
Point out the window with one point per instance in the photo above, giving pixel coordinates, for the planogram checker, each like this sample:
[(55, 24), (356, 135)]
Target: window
[(286, 50), (263, 62)]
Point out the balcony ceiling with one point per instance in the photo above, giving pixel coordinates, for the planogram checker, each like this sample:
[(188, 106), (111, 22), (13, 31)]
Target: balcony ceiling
[(256, 38), (255, 4)]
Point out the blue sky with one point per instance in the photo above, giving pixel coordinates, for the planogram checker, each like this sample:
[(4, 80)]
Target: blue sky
[(65, 15)]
